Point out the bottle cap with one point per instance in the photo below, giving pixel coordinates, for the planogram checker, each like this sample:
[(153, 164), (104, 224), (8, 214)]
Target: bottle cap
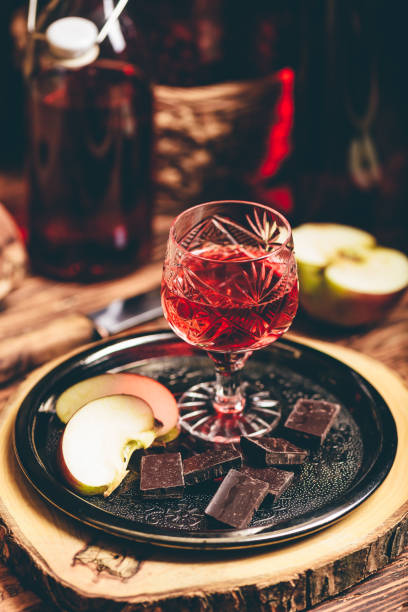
[(71, 37)]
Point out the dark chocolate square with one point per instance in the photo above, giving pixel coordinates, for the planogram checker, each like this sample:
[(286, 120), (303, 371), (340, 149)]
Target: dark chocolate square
[(161, 475), (278, 480), (236, 499), (310, 421), (272, 451), (211, 464)]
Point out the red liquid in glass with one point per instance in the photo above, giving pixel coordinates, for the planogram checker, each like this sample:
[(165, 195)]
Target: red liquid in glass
[(238, 306), (90, 171)]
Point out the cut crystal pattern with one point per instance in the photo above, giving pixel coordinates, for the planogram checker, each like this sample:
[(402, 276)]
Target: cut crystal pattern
[(229, 287)]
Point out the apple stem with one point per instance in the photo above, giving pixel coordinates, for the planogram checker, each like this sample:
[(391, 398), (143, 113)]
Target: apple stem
[(122, 472), (116, 481), (147, 438)]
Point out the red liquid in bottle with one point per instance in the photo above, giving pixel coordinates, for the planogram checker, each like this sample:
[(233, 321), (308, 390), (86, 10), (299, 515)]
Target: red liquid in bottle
[(234, 307), (89, 170)]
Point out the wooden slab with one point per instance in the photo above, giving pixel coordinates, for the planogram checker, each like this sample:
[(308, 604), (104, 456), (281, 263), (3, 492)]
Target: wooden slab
[(81, 569)]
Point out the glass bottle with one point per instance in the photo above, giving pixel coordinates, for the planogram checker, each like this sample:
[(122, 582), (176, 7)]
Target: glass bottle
[(89, 145)]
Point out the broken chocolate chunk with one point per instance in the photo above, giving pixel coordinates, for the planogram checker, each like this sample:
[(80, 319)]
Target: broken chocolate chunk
[(236, 499), (272, 451), (161, 475), (310, 421), (278, 480), (211, 464)]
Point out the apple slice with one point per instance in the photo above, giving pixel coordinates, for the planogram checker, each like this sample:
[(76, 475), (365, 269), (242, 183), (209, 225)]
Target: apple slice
[(344, 276), (318, 244), (161, 400), (99, 439), (363, 288)]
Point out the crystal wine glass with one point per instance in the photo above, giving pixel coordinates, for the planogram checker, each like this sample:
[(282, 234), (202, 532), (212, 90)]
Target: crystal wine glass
[(229, 287)]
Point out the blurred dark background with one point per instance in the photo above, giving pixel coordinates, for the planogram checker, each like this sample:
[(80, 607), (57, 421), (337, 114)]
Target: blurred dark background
[(351, 121), (345, 155), (11, 88)]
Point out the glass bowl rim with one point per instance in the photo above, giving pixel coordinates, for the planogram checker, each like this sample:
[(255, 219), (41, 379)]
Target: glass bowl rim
[(269, 209)]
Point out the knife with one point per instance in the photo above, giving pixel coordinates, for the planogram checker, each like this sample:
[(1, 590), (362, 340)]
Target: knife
[(22, 353)]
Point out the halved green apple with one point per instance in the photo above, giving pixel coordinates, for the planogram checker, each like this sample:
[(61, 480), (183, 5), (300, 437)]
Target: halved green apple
[(99, 439), (161, 400), (344, 276)]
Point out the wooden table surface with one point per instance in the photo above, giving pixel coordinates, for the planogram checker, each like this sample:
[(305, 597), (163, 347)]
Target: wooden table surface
[(38, 300)]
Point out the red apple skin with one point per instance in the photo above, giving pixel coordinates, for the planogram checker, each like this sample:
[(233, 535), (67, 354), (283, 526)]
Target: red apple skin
[(159, 398)]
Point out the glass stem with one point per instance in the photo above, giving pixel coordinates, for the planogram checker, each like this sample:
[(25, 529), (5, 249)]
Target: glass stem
[(229, 399)]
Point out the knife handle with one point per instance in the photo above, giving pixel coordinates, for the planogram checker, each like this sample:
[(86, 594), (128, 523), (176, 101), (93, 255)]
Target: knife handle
[(19, 354)]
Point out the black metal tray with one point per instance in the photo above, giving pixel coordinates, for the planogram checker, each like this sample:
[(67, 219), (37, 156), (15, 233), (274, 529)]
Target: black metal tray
[(353, 461)]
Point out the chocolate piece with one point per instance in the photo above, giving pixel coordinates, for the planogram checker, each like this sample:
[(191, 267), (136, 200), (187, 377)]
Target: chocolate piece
[(136, 457), (272, 451), (211, 464), (161, 475), (278, 480), (310, 421), (236, 499)]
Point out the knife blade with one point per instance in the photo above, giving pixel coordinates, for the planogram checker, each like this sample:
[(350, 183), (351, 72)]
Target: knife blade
[(120, 315), (20, 354)]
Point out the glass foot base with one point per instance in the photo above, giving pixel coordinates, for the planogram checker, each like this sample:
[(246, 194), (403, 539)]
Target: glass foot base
[(198, 417)]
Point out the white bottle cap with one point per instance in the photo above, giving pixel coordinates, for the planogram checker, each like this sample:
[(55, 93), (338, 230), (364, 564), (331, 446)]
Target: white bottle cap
[(71, 37)]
